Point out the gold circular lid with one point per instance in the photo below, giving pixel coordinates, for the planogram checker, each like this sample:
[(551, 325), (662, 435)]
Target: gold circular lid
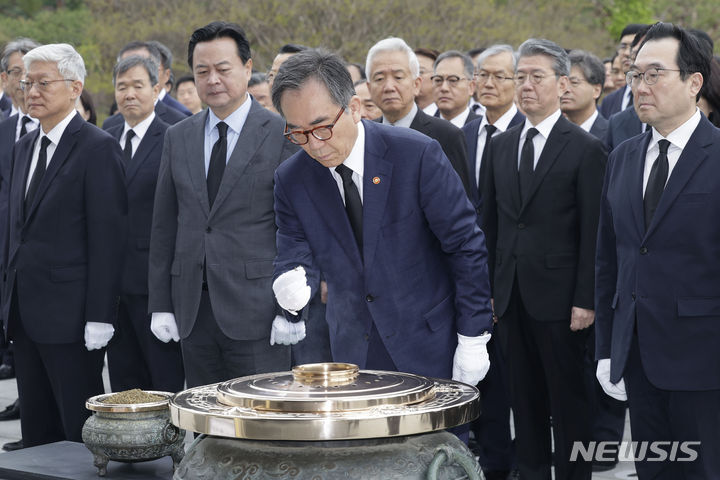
[(328, 401), (96, 403)]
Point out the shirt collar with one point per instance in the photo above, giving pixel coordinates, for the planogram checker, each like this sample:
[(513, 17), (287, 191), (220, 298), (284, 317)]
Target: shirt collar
[(501, 123), (235, 120), (56, 133), (544, 127), (141, 128), (356, 160), (680, 136), (162, 94), (587, 124), (404, 121)]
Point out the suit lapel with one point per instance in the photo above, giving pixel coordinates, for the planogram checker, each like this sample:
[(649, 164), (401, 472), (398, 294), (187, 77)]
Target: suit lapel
[(147, 144), (194, 136), (690, 159), (554, 145), (377, 179), (251, 137), (62, 151)]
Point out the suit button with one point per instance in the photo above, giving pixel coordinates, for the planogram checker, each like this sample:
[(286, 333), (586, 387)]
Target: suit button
[(521, 226), (369, 298), (208, 229), (633, 295), (643, 250)]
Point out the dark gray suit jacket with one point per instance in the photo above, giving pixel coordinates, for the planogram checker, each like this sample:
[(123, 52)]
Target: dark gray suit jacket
[(622, 126), (600, 127), (236, 238)]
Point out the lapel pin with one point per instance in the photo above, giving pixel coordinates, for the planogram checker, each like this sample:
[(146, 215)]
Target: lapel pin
[(376, 180)]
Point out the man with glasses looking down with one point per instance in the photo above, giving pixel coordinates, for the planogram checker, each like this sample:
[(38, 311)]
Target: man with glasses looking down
[(381, 213), (540, 211)]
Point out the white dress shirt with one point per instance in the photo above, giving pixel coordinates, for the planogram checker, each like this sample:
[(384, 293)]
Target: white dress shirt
[(501, 124), (587, 124), (405, 121), (54, 136), (140, 130), (29, 126), (431, 109), (459, 120), (678, 138), (235, 122), (539, 140), (626, 98), (355, 162)]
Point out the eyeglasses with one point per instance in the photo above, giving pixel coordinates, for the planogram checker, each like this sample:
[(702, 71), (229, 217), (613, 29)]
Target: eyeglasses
[(321, 132), (15, 72), (536, 78), (42, 85), (651, 75), (452, 80), (484, 76)]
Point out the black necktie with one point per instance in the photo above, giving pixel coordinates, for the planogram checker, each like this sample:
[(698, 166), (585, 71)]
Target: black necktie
[(489, 131), (38, 173), (127, 151), (656, 182), (23, 127), (353, 205), (630, 102), (527, 164), (218, 158)]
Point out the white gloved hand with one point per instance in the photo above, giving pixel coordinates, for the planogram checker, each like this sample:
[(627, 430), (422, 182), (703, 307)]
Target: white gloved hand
[(286, 333), (615, 390), (291, 290), (471, 361), (164, 327), (97, 335)]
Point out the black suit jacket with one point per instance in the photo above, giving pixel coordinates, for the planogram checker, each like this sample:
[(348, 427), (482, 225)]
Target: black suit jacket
[(167, 114), (172, 103), (140, 180), (450, 139), (599, 127), (5, 105), (548, 241), (64, 254), (612, 103), (622, 126), (7, 142), (471, 139)]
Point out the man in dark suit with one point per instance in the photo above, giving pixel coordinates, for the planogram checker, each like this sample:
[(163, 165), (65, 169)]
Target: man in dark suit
[(5, 104), (403, 257), (540, 211), (170, 111), (67, 232), (136, 359), (621, 98), (621, 126), (658, 262), (453, 86), (394, 80), (587, 77), (213, 233), (165, 76)]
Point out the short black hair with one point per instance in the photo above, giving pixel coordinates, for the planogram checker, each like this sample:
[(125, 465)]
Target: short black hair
[(183, 79), (632, 29), (693, 54), (475, 51), (256, 79), (639, 36), (291, 48), (360, 68), (215, 30), (703, 36), (712, 91)]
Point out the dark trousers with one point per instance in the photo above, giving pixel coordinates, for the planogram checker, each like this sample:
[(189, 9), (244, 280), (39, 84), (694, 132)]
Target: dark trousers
[(492, 428), (136, 359), (315, 347), (210, 356), (53, 381), (546, 379), (666, 415)]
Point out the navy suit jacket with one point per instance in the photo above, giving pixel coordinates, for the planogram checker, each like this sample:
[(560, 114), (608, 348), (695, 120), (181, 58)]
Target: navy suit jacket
[(622, 126), (471, 140), (167, 114), (140, 180), (422, 276), (600, 127), (171, 102), (64, 254), (5, 105), (612, 103), (665, 280)]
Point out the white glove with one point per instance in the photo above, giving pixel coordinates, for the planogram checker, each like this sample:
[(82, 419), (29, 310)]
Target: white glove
[(286, 333), (164, 327), (471, 361), (97, 335), (615, 390), (291, 290)]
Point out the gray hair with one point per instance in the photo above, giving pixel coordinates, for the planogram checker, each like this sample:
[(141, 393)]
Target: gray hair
[(591, 66), (466, 60), (318, 64), (256, 79), (166, 56), (393, 44), (69, 62), (540, 46), (132, 61), (493, 50), (20, 45)]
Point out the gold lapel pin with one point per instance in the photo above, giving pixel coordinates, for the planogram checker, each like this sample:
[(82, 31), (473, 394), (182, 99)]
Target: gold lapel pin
[(376, 180)]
